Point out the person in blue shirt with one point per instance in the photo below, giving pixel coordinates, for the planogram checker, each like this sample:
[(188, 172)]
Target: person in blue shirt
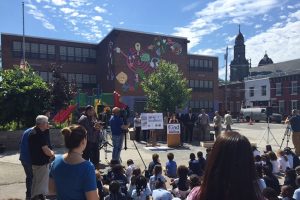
[(171, 166), (194, 165), (26, 160), (117, 126), (72, 177)]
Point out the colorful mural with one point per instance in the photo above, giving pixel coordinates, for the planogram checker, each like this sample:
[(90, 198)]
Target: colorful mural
[(142, 62)]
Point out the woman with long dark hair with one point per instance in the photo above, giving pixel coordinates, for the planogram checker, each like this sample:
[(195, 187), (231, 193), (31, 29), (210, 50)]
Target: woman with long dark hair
[(230, 173)]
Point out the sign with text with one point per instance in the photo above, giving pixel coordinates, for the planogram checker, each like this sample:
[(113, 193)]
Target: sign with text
[(151, 121), (173, 128)]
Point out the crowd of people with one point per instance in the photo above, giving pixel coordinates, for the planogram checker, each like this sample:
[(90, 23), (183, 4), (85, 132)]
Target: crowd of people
[(232, 168)]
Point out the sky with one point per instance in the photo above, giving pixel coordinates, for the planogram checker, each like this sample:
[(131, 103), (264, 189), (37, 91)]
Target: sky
[(271, 26)]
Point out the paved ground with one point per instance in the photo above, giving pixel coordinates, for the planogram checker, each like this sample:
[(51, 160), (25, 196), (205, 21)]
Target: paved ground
[(12, 177)]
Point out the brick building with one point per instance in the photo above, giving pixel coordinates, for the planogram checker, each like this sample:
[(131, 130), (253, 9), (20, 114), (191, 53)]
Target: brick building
[(118, 63), (284, 81), (235, 97)]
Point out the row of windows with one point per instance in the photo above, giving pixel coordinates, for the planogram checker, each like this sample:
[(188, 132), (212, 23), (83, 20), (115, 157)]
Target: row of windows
[(200, 65), (77, 78), (283, 105), (201, 84), (263, 90), (203, 104), (293, 88), (46, 51)]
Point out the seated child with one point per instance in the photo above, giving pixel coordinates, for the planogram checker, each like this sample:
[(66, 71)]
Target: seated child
[(160, 192), (194, 165), (171, 166), (119, 176), (129, 169), (142, 191), (181, 185), (156, 176), (114, 192)]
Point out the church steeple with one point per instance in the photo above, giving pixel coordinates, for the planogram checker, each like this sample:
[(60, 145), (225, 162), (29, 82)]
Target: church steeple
[(239, 67)]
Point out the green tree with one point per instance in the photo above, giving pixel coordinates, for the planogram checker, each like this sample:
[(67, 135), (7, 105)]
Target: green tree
[(166, 88), (61, 91), (23, 95)]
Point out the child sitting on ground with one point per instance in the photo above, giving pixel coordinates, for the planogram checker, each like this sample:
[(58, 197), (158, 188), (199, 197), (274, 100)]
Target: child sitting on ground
[(156, 175), (201, 161), (129, 169), (114, 192), (181, 185), (155, 161), (194, 165), (135, 173), (283, 161), (273, 159), (171, 166), (142, 191), (118, 175), (160, 192)]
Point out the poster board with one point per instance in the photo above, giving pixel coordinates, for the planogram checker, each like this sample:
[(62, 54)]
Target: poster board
[(152, 121), (173, 135)]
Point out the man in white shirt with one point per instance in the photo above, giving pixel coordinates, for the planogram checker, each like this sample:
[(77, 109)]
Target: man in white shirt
[(228, 121)]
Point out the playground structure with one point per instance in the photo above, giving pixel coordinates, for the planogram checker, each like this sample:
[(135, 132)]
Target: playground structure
[(83, 99)]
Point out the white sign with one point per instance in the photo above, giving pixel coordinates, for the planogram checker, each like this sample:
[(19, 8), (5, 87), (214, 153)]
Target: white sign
[(152, 121), (173, 128)]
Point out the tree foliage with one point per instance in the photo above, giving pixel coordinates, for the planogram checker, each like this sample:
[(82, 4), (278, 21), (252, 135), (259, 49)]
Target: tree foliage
[(61, 91), (23, 95), (166, 88)]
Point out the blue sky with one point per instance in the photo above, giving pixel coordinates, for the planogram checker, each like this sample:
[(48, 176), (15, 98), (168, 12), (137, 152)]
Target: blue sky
[(210, 25)]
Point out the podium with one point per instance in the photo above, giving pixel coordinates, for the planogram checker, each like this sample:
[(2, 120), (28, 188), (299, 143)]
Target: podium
[(173, 135)]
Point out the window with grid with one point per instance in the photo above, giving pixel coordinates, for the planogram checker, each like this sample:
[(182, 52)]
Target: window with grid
[(78, 54), (51, 51), (17, 46), (78, 78), (263, 90), (294, 104), (86, 78), (34, 50), (63, 52), (192, 83), (294, 87), (251, 91), (85, 55), (71, 54), (192, 64), (278, 89), (93, 78), (281, 107), (43, 51)]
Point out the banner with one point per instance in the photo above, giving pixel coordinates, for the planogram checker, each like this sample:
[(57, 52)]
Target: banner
[(173, 128), (152, 121)]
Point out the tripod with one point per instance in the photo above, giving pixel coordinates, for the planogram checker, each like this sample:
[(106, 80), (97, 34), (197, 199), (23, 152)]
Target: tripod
[(104, 143), (287, 135), (268, 133)]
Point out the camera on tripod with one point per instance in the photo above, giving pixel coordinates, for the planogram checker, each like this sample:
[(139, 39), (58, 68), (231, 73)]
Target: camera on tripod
[(269, 111)]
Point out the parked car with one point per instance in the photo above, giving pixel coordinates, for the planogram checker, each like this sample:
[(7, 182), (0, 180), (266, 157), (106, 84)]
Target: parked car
[(275, 117)]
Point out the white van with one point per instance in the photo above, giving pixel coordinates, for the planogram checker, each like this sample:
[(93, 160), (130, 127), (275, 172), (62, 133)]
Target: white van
[(256, 114)]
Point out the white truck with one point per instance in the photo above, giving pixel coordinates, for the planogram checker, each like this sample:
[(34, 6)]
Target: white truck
[(259, 114)]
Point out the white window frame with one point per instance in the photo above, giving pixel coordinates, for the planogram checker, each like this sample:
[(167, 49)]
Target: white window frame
[(251, 91), (294, 87), (281, 106), (294, 106)]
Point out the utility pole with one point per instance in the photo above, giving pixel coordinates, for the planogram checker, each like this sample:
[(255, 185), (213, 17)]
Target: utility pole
[(24, 62), (226, 58)]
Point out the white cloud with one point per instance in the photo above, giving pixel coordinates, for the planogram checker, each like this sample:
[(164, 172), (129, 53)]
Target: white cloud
[(190, 6), (97, 18), (59, 2), (229, 39), (82, 16), (100, 10), (281, 42), (77, 3), (282, 17), (258, 26), (38, 15), (234, 11), (67, 10), (121, 23)]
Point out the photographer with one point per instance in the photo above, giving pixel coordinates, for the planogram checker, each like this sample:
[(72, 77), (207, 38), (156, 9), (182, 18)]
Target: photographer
[(117, 126), (88, 121), (295, 125)]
